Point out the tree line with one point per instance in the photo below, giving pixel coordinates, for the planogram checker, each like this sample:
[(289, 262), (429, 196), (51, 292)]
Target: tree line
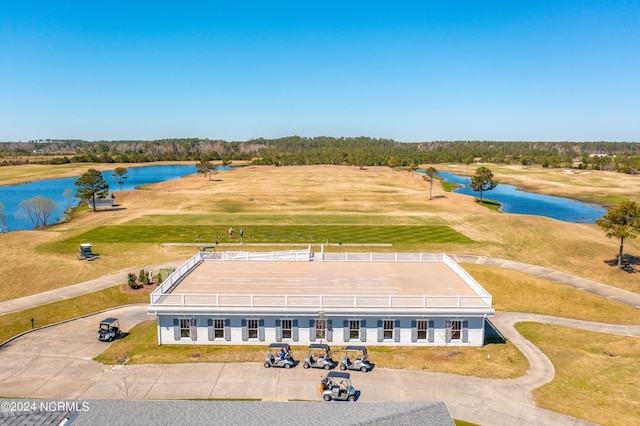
[(623, 157)]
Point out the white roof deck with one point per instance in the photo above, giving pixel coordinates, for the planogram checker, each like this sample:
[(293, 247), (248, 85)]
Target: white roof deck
[(435, 283)]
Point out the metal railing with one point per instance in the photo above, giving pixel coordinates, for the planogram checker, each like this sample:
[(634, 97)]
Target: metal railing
[(317, 301)]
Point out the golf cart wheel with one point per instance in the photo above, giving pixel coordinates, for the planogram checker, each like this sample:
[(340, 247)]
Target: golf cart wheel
[(326, 366), (267, 365), (351, 398), (343, 367), (326, 397), (305, 365), (287, 365), (364, 369)]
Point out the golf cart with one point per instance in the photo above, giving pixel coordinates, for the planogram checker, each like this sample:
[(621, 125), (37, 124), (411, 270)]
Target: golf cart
[(337, 387), (86, 253), (319, 356), (356, 358), (279, 356), (109, 330)]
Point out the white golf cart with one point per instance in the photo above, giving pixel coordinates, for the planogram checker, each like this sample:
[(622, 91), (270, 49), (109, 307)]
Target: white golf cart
[(108, 330), (319, 356), (279, 356), (336, 386), (356, 358)]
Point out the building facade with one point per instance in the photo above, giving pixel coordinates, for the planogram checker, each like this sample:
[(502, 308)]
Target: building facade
[(298, 297)]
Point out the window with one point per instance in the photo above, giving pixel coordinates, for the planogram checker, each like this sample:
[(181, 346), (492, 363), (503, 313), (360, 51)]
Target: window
[(185, 326), (456, 329), (321, 329), (387, 329), (422, 330), (252, 327), (218, 329), (286, 329), (354, 329)]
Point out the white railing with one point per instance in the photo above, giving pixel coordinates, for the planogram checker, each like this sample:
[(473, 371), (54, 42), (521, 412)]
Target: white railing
[(162, 294), (288, 255), (468, 279), (172, 280), (316, 301), (381, 257)]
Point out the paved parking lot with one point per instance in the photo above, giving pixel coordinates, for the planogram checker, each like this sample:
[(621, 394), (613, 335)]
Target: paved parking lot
[(57, 363)]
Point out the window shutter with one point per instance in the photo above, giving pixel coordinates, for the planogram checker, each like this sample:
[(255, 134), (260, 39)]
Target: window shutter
[(380, 331), (227, 330), (245, 330), (176, 329), (312, 330), (414, 331), (210, 329), (329, 331), (363, 331), (193, 329), (261, 330), (431, 331), (294, 331), (345, 330), (396, 331), (278, 330), (465, 331)]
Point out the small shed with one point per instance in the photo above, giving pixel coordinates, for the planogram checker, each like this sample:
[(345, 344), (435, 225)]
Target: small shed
[(107, 201)]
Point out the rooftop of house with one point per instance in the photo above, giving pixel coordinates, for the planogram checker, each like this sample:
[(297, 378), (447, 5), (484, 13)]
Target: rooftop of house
[(331, 281)]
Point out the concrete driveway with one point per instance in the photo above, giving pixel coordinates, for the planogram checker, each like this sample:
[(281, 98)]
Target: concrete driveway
[(57, 363)]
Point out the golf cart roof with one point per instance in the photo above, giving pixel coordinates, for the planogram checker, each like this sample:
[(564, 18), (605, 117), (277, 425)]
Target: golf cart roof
[(85, 245), (338, 375), (279, 346), (319, 346), (108, 320), (357, 348)]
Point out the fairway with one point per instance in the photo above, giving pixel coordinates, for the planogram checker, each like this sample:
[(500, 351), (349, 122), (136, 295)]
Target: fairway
[(290, 234), (302, 205)]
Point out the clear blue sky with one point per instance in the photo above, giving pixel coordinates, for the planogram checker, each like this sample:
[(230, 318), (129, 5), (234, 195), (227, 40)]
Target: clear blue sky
[(411, 71)]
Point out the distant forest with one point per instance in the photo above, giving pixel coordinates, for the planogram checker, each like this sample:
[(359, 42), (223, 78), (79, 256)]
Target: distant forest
[(623, 157)]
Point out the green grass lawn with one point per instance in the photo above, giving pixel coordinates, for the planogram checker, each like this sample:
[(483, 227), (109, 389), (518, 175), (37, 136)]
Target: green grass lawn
[(308, 234)]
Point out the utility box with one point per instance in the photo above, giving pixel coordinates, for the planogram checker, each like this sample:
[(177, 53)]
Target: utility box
[(165, 272)]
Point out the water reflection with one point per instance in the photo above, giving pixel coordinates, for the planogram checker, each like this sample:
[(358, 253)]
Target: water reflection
[(62, 191), (516, 201)]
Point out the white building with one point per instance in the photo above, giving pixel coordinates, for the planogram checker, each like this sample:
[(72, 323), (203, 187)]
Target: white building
[(236, 298)]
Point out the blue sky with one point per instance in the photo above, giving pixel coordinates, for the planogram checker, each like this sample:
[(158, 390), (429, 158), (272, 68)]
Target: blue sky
[(410, 71)]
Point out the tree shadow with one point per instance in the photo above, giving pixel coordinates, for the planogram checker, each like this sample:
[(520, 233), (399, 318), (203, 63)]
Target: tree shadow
[(109, 209), (630, 263)]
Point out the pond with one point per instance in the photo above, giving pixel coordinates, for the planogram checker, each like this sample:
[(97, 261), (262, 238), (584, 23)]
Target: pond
[(62, 191), (515, 201)]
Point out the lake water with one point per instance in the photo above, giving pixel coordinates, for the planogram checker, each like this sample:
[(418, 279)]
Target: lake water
[(12, 195), (515, 201)]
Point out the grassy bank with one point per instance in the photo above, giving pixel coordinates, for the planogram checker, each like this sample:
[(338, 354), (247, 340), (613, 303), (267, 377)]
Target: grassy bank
[(18, 322), (596, 373)]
